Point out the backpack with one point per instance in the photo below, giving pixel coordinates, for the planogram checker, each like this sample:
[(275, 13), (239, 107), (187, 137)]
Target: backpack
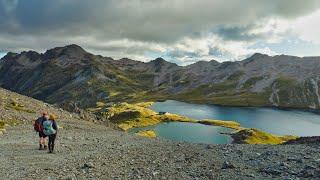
[(37, 126), (48, 128)]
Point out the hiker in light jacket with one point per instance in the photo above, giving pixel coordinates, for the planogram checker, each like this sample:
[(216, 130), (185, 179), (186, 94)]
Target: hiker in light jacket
[(51, 129), (38, 127)]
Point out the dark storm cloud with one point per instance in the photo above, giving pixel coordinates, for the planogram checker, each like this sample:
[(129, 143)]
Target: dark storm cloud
[(40, 24), (140, 19), (238, 33)]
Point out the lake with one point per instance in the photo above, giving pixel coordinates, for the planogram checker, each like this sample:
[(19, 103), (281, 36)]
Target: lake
[(189, 132), (275, 121)]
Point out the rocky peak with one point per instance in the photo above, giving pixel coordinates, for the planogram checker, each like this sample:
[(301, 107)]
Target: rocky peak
[(158, 61), (31, 55), (127, 61), (161, 62), (258, 55), (9, 55), (69, 50), (205, 63), (214, 62), (74, 47), (160, 65)]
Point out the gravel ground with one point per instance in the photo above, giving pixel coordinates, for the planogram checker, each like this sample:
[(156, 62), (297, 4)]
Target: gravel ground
[(88, 151)]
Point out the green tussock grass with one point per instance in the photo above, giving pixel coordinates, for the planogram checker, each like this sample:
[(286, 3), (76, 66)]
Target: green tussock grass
[(236, 76), (224, 86), (148, 133), (4, 123), (285, 81), (201, 91), (285, 86), (226, 93), (229, 99), (128, 116), (195, 93), (227, 124), (18, 107), (242, 99), (295, 94), (255, 136), (252, 81)]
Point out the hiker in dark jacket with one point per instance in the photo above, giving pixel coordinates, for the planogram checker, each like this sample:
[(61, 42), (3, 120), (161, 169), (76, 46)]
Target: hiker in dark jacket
[(51, 129), (38, 127)]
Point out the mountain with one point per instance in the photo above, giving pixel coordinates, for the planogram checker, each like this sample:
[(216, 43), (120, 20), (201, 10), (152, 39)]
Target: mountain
[(72, 77)]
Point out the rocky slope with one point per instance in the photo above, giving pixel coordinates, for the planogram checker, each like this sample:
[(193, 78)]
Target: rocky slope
[(72, 77), (87, 150)]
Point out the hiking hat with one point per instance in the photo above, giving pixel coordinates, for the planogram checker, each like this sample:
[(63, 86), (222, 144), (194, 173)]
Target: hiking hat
[(52, 117)]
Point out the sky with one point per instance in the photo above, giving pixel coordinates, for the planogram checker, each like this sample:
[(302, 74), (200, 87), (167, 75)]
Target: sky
[(178, 30)]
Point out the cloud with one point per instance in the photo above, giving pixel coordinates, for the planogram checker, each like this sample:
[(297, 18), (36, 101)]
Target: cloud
[(270, 29), (198, 29), (212, 47), (307, 27), (8, 5)]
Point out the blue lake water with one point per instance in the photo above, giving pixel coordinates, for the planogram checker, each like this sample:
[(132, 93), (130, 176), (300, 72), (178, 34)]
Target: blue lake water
[(275, 121), (190, 132)]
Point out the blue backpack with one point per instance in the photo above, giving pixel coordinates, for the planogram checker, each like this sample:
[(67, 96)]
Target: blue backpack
[(48, 128)]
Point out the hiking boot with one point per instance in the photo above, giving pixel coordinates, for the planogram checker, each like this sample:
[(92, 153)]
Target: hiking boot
[(40, 147), (45, 147)]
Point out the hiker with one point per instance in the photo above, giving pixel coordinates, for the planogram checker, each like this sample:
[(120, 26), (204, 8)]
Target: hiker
[(38, 127), (50, 128)]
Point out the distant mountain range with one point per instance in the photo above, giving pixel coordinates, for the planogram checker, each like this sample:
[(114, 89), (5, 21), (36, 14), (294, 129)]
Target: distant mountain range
[(71, 77)]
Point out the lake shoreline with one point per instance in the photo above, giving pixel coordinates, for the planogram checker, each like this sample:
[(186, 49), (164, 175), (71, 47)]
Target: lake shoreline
[(273, 120), (240, 135), (127, 116), (138, 115), (315, 111)]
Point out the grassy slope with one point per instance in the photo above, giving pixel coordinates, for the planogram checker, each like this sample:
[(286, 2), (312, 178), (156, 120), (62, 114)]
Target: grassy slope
[(225, 94), (295, 94), (255, 136), (128, 116), (136, 86), (291, 93)]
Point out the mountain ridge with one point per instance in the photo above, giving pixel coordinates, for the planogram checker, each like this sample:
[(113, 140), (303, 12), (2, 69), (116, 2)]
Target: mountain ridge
[(70, 75), (75, 46)]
